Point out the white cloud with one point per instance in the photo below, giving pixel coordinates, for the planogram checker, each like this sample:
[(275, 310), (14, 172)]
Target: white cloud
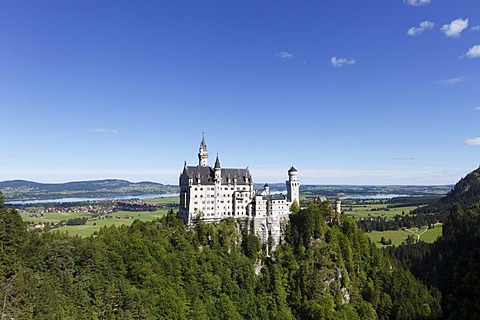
[(476, 28), (339, 62), (473, 52), (472, 142), (103, 130), (416, 3), (424, 25), (452, 81), (284, 55), (454, 28)]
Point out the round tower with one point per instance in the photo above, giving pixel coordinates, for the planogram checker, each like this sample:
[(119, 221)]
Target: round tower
[(293, 186), (338, 206)]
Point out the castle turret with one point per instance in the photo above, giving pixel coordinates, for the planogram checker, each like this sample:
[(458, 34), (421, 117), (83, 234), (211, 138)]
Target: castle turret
[(218, 171), (293, 186), (203, 154), (266, 188), (338, 206)]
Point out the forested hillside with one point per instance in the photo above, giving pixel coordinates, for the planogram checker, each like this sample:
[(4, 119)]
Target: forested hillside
[(466, 192), (452, 263), (160, 270)]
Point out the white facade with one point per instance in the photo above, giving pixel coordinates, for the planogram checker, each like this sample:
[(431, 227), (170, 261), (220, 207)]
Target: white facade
[(213, 194)]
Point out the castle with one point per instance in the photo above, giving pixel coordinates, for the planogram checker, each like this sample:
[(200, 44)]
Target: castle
[(215, 193)]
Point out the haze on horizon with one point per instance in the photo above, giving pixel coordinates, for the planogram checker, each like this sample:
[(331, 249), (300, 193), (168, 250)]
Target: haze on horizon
[(349, 92)]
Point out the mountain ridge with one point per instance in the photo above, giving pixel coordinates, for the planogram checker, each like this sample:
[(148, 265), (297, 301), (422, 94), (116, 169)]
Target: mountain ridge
[(29, 190)]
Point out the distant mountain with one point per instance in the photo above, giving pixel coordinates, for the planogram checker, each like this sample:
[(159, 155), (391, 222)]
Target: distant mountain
[(28, 190)]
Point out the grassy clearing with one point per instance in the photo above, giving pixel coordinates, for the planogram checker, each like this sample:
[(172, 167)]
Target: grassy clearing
[(363, 211), (398, 236), (52, 217), (164, 200), (432, 234), (118, 218)]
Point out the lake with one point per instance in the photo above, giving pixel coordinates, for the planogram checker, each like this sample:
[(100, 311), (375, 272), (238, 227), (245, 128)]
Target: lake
[(64, 200)]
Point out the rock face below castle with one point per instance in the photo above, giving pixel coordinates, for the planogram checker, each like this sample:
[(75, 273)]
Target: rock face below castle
[(214, 193)]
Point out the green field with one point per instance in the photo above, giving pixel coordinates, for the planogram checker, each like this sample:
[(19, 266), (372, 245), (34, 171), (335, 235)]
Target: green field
[(398, 236), (52, 217), (117, 218), (363, 211), (164, 200)]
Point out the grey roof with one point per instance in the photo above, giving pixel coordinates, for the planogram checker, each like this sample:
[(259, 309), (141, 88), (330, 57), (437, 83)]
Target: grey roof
[(206, 175), (203, 145), (292, 169), (277, 196)]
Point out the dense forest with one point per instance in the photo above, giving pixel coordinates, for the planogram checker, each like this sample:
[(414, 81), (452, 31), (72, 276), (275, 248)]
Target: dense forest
[(161, 270), (452, 263)]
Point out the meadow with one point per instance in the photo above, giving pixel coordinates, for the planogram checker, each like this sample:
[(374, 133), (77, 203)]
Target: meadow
[(399, 236), (117, 218), (375, 210)]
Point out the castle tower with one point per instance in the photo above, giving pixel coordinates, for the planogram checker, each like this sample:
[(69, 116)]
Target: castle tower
[(293, 186), (266, 188), (338, 206), (203, 154), (218, 171)]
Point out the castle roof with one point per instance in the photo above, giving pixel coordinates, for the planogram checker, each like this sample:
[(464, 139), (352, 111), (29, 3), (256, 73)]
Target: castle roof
[(203, 145), (217, 163), (206, 175), (292, 169), (277, 196)]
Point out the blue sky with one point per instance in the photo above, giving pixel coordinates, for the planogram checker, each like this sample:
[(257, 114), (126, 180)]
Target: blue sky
[(349, 92)]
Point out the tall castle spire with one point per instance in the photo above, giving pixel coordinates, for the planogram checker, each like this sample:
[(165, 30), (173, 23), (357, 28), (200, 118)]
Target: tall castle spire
[(202, 153)]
